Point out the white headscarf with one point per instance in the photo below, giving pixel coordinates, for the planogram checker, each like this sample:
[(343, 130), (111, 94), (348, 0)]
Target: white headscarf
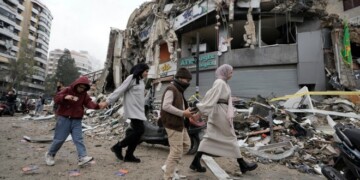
[(223, 72)]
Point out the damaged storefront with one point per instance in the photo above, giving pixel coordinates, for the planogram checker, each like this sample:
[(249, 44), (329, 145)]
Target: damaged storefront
[(285, 41)]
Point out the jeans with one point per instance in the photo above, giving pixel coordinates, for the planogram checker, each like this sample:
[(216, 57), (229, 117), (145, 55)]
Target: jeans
[(64, 127)]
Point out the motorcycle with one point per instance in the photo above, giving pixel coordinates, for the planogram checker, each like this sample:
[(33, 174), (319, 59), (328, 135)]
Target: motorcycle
[(5, 110), (24, 108), (347, 164), (156, 134)]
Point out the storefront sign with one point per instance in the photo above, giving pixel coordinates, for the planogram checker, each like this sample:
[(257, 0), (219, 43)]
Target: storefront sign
[(193, 13), (167, 69), (206, 61)]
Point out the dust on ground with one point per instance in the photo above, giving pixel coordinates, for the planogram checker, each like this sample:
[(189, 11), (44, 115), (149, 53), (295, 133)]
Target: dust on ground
[(15, 154)]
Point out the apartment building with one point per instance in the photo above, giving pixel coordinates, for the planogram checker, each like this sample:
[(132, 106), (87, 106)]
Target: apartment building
[(83, 61), (28, 20)]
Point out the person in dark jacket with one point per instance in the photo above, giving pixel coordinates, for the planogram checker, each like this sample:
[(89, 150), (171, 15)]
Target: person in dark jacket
[(174, 110), (71, 101), (11, 101)]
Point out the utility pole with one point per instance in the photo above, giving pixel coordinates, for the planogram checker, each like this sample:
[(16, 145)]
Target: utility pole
[(197, 64)]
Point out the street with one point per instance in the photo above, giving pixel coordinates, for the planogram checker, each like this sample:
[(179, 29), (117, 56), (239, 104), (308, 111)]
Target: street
[(16, 153)]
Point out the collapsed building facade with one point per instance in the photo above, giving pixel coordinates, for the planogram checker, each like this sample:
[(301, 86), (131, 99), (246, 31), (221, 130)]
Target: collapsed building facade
[(275, 46)]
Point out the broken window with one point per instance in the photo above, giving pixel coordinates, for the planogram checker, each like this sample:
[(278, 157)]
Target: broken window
[(208, 41), (164, 53), (277, 30), (238, 34)]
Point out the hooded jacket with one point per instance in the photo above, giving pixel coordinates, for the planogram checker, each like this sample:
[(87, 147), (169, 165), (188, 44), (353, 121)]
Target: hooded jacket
[(74, 109)]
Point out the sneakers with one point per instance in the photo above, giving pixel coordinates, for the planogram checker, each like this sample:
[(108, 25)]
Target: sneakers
[(176, 175), (85, 160), (49, 159)]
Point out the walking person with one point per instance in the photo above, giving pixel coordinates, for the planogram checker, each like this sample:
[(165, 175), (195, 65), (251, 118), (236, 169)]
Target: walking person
[(174, 110), (39, 105), (220, 138), (70, 112), (133, 91), (59, 87), (11, 101)]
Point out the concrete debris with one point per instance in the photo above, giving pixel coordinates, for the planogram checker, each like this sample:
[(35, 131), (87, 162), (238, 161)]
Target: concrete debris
[(303, 136), (262, 151)]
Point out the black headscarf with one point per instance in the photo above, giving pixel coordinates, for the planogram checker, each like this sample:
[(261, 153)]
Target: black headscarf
[(181, 86), (137, 71)]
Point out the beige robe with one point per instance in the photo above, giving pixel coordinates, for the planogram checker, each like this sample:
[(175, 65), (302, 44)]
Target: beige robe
[(220, 138)]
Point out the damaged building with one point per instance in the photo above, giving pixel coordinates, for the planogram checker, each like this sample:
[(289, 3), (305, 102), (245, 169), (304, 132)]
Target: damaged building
[(275, 46)]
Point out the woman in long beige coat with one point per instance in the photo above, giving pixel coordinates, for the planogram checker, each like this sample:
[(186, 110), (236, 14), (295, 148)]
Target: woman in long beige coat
[(220, 138)]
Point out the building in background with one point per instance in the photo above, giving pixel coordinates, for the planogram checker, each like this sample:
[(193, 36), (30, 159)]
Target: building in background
[(83, 61), (25, 20)]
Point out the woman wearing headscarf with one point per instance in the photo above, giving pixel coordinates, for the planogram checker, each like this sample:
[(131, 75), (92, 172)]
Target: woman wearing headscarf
[(133, 91), (220, 138)]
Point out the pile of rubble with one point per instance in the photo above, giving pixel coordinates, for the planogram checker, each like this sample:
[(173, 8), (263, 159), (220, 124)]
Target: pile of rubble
[(301, 137)]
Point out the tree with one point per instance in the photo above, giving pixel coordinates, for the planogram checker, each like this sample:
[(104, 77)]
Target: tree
[(66, 69), (50, 86), (20, 69)]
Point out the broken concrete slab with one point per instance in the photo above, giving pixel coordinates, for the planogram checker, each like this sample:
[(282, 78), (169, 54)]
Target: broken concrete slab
[(260, 151), (38, 139), (296, 102), (214, 167)]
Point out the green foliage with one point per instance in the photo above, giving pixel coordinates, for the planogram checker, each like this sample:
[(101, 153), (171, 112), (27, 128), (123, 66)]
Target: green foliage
[(66, 69), (21, 69)]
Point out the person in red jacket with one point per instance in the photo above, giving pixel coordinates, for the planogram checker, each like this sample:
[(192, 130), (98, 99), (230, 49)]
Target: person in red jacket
[(71, 101)]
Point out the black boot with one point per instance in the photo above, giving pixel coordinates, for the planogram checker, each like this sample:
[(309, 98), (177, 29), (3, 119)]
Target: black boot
[(129, 157), (245, 166), (132, 158), (196, 165), (117, 149)]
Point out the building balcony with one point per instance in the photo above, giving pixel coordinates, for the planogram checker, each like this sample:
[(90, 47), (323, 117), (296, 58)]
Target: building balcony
[(41, 78), (15, 48), (31, 37), (34, 19), (41, 41), (7, 20), (7, 55), (35, 11), (45, 25), (41, 50), (40, 60), (20, 6), (9, 33), (43, 33), (32, 28), (40, 69), (9, 8), (18, 16), (45, 16), (15, 2), (36, 86)]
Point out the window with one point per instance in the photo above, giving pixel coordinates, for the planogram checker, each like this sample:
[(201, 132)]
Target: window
[(349, 4)]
